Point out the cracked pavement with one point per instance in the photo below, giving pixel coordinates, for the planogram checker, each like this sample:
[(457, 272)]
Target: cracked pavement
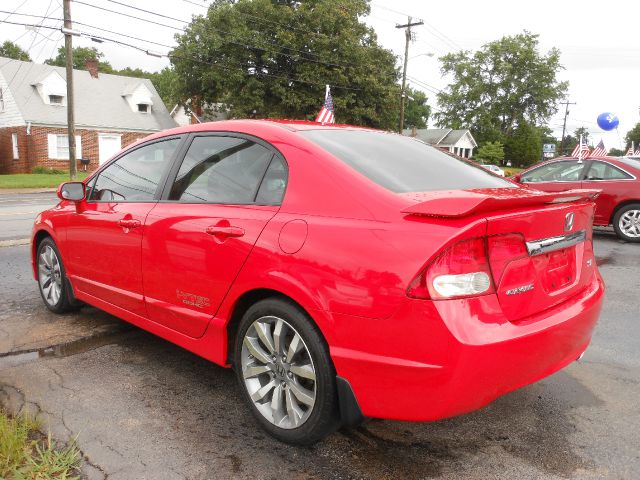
[(143, 408)]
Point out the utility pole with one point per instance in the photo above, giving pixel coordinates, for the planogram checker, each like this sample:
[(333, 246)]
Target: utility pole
[(564, 125), (407, 34), (71, 127)]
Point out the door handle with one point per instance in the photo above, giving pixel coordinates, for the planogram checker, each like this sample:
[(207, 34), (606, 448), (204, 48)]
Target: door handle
[(129, 223), (224, 231)]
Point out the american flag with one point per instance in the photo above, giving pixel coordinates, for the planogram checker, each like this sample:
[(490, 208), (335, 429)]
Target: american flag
[(599, 151), (582, 149), (630, 152), (326, 112)]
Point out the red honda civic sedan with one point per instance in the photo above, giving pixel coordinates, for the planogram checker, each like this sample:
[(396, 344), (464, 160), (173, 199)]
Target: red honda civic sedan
[(618, 179), (342, 272)]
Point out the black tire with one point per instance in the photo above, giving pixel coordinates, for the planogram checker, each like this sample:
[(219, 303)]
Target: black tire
[(65, 301), (617, 223), (324, 415)]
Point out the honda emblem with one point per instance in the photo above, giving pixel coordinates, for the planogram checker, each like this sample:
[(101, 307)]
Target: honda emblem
[(568, 222)]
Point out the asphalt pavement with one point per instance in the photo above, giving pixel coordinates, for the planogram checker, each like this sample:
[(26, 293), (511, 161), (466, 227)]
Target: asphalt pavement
[(143, 408), (17, 211)]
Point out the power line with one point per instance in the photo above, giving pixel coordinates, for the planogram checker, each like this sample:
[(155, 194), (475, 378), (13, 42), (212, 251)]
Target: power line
[(322, 62), (146, 11), (431, 28), (272, 22), (14, 11), (28, 49), (424, 85), (100, 29), (215, 65)]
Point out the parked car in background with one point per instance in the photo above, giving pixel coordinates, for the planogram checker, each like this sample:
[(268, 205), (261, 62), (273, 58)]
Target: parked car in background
[(494, 169), (342, 272), (618, 179)]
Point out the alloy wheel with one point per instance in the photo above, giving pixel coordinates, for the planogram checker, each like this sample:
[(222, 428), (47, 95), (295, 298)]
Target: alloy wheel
[(629, 223), (278, 372), (49, 275)]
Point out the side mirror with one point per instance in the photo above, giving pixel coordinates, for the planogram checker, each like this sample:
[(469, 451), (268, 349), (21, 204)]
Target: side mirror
[(72, 191), (517, 178)]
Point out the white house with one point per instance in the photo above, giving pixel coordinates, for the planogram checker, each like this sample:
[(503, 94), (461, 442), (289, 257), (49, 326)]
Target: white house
[(458, 142)]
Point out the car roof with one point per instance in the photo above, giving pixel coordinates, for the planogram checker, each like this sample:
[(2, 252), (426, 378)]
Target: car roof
[(265, 128), (251, 124)]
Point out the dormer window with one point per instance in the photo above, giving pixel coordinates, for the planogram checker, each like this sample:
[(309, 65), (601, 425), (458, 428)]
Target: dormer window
[(139, 97), (52, 89)]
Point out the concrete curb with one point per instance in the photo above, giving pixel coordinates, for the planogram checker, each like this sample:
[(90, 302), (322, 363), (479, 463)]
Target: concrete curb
[(15, 242)]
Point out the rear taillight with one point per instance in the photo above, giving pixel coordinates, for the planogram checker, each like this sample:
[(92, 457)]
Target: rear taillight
[(503, 249), (461, 270)]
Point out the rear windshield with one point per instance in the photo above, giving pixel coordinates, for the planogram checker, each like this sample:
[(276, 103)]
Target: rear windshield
[(402, 164), (631, 161)]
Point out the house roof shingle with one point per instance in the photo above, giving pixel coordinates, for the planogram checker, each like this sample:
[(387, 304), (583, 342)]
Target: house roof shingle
[(99, 102), (442, 137)]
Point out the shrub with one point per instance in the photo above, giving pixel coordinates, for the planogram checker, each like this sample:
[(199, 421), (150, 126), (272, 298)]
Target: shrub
[(47, 170)]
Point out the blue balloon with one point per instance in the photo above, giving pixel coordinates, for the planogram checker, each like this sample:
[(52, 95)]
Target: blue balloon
[(607, 121)]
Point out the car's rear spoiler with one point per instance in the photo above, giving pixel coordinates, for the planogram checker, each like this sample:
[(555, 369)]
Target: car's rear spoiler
[(461, 203)]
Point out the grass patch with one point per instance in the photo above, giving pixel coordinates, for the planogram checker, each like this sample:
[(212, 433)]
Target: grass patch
[(50, 171), (36, 180), (26, 454)]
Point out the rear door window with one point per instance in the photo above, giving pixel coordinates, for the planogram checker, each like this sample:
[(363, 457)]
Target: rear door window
[(274, 183), (402, 164), (606, 171), (220, 169)]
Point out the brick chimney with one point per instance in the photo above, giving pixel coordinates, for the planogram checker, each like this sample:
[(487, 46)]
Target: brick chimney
[(92, 67)]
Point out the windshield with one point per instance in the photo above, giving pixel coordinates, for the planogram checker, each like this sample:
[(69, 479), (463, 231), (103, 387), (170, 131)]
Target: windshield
[(402, 164)]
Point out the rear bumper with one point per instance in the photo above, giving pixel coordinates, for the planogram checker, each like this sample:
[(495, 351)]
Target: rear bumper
[(434, 360)]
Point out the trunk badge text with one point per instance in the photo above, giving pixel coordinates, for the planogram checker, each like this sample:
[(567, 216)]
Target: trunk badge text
[(518, 290), (568, 222)]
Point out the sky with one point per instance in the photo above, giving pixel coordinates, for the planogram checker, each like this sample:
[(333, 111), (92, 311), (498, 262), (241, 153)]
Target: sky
[(598, 41)]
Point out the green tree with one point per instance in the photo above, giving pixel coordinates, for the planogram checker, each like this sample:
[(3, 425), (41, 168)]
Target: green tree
[(524, 147), (581, 131), (633, 135), (416, 113), (616, 152), (504, 84), (491, 152), (167, 83), (278, 67), (548, 137), (570, 143), (80, 56), (11, 50)]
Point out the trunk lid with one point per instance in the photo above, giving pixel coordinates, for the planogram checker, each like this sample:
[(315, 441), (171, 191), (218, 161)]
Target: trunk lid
[(538, 244), (556, 263)]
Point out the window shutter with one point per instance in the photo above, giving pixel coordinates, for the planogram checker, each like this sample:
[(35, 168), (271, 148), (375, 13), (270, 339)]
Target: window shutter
[(78, 147), (14, 145), (53, 146)]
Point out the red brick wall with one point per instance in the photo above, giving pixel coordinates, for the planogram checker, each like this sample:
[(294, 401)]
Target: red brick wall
[(7, 163), (34, 148)]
